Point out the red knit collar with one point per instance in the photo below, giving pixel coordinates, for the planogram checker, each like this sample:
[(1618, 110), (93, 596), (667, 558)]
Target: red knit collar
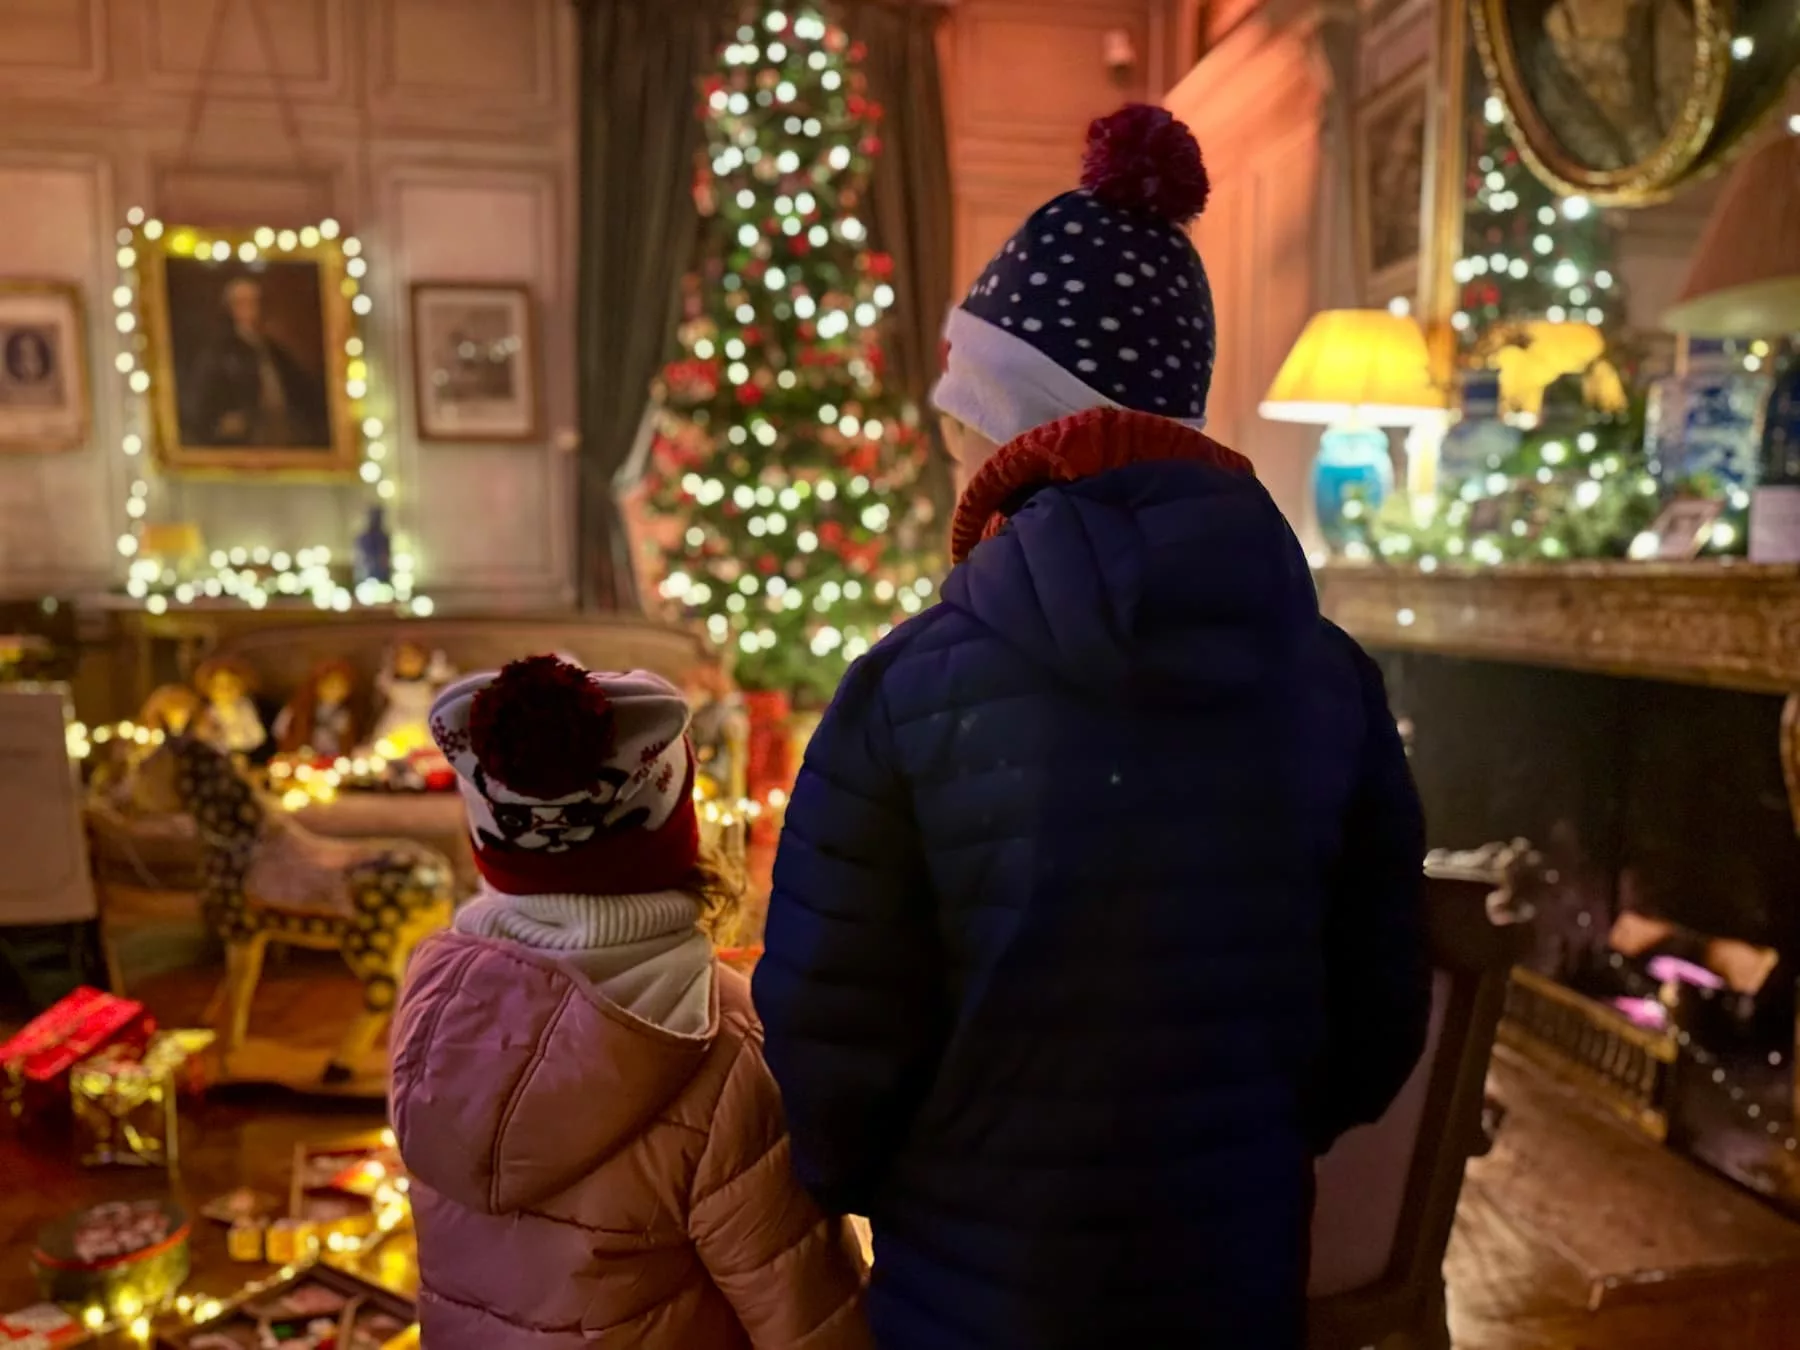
[(1068, 450)]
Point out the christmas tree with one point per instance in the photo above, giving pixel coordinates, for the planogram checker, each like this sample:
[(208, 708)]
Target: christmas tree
[(792, 473), (1527, 253)]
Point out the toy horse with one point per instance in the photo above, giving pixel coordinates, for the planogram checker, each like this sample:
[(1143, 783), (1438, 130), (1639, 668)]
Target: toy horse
[(268, 879)]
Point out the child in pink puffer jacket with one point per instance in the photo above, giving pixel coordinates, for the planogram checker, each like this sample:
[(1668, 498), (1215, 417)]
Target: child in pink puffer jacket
[(597, 1149)]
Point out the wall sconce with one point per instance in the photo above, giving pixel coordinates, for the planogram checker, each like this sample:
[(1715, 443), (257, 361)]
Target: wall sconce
[(1120, 54)]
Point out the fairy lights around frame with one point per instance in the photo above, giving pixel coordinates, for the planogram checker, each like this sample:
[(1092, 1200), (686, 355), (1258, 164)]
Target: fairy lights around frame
[(156, 574)]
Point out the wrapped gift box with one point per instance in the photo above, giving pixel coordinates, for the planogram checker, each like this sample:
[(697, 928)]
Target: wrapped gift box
[(37, 1062), (125, 1103)]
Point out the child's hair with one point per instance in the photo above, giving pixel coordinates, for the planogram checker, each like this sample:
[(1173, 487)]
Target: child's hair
[(718, 882)]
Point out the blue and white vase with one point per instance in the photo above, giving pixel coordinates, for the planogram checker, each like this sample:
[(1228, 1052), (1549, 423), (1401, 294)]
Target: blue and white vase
[(1354, 466), (1479, 442), (1707, 423)]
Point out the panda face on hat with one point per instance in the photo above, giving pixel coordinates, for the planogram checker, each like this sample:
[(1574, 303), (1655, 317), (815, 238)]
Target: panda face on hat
[(512, 821)]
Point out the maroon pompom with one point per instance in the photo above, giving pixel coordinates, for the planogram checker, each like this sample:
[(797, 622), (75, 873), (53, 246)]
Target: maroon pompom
[(1141, 158), (542, 728)]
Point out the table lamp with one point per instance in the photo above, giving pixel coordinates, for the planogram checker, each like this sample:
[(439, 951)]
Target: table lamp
[(1744, 281), (1355, 372)]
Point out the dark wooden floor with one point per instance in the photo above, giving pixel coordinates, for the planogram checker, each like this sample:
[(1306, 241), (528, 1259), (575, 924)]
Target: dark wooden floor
[(1573, 1235)]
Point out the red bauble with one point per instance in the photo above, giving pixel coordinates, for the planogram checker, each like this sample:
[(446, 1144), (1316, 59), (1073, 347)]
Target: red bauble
[(859, 51), (857, 105), (749, 395), (831, 534), (880, 265), (875, 112), (767, 564), (871, 145)]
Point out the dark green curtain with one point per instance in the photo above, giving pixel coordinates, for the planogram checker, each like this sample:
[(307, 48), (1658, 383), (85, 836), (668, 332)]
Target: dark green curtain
[(640, 62), (910, 205)]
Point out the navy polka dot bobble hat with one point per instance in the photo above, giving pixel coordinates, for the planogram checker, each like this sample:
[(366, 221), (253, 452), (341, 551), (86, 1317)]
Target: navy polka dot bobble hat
[(1099, 300)]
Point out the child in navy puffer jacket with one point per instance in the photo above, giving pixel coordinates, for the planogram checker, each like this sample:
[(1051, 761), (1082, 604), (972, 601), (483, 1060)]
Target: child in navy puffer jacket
[(1098, 911)]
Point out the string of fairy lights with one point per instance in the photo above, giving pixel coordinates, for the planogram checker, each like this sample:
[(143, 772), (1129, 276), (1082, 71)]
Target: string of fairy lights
[(159, 572)]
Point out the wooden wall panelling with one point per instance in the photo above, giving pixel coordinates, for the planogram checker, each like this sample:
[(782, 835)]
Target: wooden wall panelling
[(493, 521), (474, 96), (1022, 81), (52, 43), (1256, 104), (57, 510), (481, 65), (308, 38)]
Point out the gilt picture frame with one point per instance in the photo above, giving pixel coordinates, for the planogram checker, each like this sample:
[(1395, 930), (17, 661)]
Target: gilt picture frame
[(1390, 183), (250, 345), (1628, 101), (44, 378)]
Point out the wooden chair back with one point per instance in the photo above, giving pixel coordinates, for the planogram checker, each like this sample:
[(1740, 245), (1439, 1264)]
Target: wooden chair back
[(46, 878), (1388, 1192)]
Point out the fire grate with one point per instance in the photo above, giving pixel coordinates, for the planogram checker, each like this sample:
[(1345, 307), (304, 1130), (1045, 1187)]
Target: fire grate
[(1628, 1068)]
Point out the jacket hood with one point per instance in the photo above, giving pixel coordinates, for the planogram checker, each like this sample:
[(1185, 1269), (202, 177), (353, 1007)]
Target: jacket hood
[(512, 1079), (1133, 557)]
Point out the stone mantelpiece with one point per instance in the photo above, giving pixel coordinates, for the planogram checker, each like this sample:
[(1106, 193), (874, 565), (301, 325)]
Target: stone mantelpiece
[(1730, 625)]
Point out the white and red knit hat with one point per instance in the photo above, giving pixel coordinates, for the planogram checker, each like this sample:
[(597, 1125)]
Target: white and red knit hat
[(575, 782)]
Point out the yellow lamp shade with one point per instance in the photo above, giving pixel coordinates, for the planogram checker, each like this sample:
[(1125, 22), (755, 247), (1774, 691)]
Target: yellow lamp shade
[(172, 541), (1367, 366)]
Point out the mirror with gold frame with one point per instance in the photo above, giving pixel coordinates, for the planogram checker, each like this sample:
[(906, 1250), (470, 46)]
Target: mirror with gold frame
[(1627, 101)]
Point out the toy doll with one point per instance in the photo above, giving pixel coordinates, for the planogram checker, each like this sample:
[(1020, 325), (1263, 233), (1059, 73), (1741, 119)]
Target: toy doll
[(230, 720), (408, 683), (319, 717)]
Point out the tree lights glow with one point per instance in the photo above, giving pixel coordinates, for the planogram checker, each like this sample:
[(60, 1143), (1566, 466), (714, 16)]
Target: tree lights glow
[(793, 472)]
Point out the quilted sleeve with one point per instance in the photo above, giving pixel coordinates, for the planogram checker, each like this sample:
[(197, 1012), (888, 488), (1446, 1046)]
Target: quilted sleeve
[(848, 988), (1377, 942), (793, 1276)]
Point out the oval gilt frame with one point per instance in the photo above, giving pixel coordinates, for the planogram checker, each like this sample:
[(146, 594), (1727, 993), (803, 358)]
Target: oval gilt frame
[(1741, 54)]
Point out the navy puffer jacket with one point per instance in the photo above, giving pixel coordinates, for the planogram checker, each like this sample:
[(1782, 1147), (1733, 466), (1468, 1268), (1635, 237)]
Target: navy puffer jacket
[(1097, 916)]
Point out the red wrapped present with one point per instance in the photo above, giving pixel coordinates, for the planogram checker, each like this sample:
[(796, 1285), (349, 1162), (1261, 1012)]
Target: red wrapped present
[(37, 1061)]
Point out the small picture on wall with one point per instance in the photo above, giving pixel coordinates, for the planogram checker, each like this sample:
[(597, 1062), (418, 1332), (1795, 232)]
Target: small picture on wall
[(248, 350), (474, 362), (43, 366), (1390, 186)]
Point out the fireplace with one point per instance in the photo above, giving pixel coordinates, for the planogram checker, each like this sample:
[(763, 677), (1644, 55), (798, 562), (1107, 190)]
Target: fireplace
[(1662, 975)]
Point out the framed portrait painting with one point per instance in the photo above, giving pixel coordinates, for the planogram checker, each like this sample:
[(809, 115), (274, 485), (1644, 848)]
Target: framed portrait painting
[(1626, 101), (43, 366), (475, 362), (1390, 186), (249, 348)]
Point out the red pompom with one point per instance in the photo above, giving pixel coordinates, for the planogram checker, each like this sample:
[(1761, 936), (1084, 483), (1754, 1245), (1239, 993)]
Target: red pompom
[(542, 728), (1140, 158)]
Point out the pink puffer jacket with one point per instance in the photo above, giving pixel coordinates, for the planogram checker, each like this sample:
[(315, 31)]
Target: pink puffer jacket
[(582, 1178)]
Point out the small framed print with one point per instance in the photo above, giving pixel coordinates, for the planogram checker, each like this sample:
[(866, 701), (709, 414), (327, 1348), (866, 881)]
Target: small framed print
[(1683, 527), (43, 366), (475, 362)]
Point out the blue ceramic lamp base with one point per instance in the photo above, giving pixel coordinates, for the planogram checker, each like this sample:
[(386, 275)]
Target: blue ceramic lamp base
[(1353, 466)]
